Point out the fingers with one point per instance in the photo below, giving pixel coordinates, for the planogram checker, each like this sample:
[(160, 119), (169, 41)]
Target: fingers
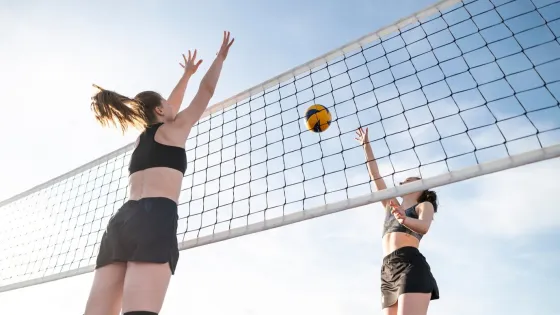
[(192, 55), (190, 59), (226, 42), (398, 213), (226, 38), (395, 208), (361, 130), (359, 136)]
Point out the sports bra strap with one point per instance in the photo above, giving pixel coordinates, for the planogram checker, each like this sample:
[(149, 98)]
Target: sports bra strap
[(152, 129)]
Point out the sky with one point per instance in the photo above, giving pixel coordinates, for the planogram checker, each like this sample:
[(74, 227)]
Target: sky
[(331, 264), (57, 51)]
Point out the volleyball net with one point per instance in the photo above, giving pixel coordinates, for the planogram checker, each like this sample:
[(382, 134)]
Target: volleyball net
[(461, 89)]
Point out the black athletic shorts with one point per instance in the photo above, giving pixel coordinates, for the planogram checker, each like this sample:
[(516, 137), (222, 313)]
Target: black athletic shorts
[(406, 271), (142, 230)]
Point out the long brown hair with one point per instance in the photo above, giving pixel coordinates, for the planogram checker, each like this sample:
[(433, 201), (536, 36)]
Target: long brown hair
[(111, 107), (429, 196)]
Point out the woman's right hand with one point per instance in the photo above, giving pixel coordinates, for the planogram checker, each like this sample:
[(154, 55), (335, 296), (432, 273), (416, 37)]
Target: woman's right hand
[(362, 136)]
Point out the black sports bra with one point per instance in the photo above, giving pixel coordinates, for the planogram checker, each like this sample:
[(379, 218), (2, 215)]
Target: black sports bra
[(150, 153), (392, 225)]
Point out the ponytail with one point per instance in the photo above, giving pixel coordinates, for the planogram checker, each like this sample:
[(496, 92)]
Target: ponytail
[(111, 107), (429, 196)]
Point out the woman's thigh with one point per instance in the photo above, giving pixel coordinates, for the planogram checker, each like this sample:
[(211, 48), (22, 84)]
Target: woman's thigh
[(391, 310), (145, 286), (414, 303), (106, 292)]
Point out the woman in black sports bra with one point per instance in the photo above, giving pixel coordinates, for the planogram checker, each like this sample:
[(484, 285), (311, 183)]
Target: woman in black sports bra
[(139, 250), (407, 283)]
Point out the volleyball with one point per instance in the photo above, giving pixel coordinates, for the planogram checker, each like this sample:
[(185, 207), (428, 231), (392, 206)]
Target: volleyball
[(317, 118)]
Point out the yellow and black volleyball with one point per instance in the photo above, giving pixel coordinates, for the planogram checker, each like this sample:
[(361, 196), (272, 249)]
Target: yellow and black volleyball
[(317, 118)]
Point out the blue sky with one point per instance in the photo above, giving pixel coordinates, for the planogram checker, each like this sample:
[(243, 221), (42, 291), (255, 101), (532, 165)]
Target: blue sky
[(327, 265), (143, 52)]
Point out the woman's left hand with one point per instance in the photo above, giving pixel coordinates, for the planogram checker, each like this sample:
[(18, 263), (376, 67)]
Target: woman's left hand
[(397, 211), (226, 44), (190, 66)]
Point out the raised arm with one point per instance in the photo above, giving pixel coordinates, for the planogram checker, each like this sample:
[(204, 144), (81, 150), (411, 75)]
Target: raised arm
[(175, 99), (190, 115), (362, 137)]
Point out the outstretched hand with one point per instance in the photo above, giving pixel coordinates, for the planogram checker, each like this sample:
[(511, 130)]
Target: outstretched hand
[(226, 44), (190, 66), (362, 136)]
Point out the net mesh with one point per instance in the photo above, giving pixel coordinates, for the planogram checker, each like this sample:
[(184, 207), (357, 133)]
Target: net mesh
[(474, 82)]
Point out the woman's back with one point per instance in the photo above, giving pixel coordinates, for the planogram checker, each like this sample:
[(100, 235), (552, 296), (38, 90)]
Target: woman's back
[(157, 164)]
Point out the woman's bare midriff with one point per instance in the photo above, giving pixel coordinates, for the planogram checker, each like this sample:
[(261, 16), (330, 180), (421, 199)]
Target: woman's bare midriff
[(395, 240), (155, 182)]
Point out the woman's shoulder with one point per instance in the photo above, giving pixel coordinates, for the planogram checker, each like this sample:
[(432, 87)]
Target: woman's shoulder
[(424, 205), (169, 134)]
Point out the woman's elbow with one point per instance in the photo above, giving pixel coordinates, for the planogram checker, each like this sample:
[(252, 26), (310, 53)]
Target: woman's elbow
[(209, 88), (424, 229)]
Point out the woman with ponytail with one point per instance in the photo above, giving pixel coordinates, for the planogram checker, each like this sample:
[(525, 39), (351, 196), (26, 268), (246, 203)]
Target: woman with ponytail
[(139, 250), (407, 283)]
